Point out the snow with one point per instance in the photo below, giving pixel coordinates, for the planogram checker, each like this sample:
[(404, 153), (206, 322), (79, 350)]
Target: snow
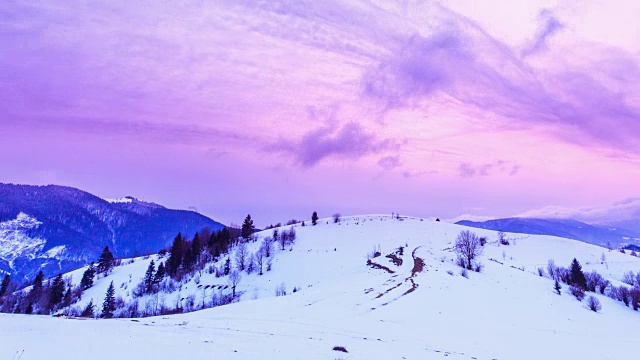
[(15, 241), (500, 313), (126, 199)]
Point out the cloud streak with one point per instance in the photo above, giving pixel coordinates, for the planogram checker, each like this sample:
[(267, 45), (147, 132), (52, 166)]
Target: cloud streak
[(349, 142), (468, 170)]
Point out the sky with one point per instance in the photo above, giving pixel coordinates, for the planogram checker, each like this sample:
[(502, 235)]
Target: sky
[(279, 108)]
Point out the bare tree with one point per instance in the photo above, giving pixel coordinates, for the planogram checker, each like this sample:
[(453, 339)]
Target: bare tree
[(251, 263), (241, 256), (260, 260), (267, 246), (467, 247), (551, 268), (234, 280)]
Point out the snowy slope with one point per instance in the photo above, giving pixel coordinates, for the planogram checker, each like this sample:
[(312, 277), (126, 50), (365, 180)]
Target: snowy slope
[(501, 313)]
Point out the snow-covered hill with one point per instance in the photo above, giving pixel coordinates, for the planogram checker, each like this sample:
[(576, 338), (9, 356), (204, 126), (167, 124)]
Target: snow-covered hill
[(386, 310)]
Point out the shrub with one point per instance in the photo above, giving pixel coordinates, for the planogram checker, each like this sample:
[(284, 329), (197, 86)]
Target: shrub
[(594, 304), (577, 291), (464, 273), (281, 290), (540, 271), (478, 267), (336, 218), (340, 348), (502, 238), (629, 278)]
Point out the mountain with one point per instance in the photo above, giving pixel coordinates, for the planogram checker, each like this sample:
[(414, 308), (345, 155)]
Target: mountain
[(600, 235), (387, 309), (57, 228)]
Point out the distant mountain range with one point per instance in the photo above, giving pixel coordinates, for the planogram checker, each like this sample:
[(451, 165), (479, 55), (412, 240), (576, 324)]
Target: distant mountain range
[(57, 229), (593, 234)]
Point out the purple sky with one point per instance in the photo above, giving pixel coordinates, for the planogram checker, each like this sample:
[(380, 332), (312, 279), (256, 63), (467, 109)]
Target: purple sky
[(278, 109)]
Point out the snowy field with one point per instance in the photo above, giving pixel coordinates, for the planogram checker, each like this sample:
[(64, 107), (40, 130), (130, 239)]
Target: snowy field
[(505, 312)]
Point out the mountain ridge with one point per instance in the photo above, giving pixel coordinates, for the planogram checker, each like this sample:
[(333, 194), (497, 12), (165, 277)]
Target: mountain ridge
[(74, 226)]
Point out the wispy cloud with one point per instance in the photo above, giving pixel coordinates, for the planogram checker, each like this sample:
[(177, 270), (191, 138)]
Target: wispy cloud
[(348, 142), (549, 25), (468, 170)]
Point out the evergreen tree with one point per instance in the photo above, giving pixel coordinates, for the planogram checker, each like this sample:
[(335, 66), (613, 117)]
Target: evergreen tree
[(5, 284), (557, 287), (196, 248), (160, 273), (56, 294), (149, 277), (66, 300), (87, 277), (89, 310), (189, 260), (247, 227), (314, 218), (227, 266), (105, 261), (29, 309), (175, 256), (37, 288), (37, 282), (577, 276), (109, 305)]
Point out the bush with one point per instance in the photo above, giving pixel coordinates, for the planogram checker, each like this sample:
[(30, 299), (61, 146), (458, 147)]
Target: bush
[(629, 278), (502, 238), (281, 290), (464, 273), (340, 348), (336, 218), (594, 304), (540, 271), (577, 291)]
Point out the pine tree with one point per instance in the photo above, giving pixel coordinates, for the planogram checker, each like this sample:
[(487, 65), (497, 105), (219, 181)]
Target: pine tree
[(314, 218), (247, 227), (109, 305), (87, 277), (37, 288), (196, 248), (227, 266), (160, 273), (89, 310), (148, 278), (105, 261), (175, 256), (37, 282), (577, 276), (557, 287), (5, 284), (56, 294), (187, 263)]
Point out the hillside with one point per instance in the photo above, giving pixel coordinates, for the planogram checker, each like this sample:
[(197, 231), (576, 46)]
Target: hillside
[(56, 228), (506, 311), (600, 235)]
